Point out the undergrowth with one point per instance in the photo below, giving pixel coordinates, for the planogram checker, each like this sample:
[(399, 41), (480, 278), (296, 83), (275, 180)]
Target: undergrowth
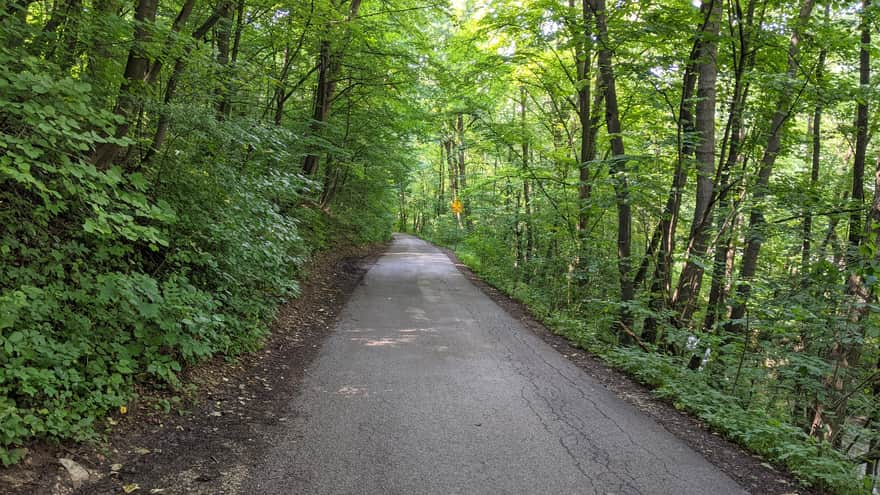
[(128, 274)]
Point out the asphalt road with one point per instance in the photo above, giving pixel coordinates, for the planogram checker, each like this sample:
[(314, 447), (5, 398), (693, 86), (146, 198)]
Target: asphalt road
[(428, 387)]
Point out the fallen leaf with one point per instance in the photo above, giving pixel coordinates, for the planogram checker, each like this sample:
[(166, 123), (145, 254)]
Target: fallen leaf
[(116, 467), (141, 451), (130, 487), (123, 410)]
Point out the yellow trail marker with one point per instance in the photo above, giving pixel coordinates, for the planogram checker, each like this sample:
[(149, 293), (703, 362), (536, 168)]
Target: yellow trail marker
[(456, 206)]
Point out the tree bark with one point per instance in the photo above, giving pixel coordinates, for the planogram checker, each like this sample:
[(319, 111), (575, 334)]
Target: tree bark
[(815, 155), (690, 280), (618, 171), (734, 136), (136, 69), (587, 120), (329, 63), (462, 168), (176, 26), (845, 351), (441, 184), (661, 278), (171, 87), (757, 223), (281, 94), (223, 34), (527, 193)]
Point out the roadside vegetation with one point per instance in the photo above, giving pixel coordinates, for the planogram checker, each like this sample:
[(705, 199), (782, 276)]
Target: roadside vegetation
[(163, 176), (686, 189)]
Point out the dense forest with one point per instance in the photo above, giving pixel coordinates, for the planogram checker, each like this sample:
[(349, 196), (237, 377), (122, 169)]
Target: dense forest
[(687, 189), (681, 188)]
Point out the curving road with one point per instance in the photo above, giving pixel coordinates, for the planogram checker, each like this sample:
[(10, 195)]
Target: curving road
[(428, 387)]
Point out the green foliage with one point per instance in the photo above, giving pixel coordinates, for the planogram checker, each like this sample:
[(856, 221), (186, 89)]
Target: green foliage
[(128, 273), (539, 225), (815, 463), (96, 298)]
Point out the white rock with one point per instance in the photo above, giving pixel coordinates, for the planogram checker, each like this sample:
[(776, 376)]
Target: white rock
[(77, 473)]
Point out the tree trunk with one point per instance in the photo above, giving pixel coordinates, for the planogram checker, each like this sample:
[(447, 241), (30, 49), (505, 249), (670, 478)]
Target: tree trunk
[(331, 171), (688, 290), (329, 64), (451, 167), (281, 93), (462, 168), (136, 69), (618, 170), (661, 278), (171, 87), (845, 352), (734, 136), (585, 116), (176, 26), (815, 155), (222, 35), (441, 184), (757, 223), (527, 193)]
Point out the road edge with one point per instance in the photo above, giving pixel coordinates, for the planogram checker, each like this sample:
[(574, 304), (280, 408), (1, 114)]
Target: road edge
[(233, 402), (749, 470)]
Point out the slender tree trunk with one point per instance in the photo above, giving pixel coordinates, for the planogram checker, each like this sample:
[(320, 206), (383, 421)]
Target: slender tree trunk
[(857, 196), (757, 223), (281, 93), (661, 278), (527, 198), (329, 64), (331, 171), (688, 290), (462, 168), (618, 170), (176, 26), (734, 133), (845, 351), (171, 87), (136, 69), (324, 89), (451, 167), (585, 116), (278, 96), (441, 184), (223, 34), (815, 156)]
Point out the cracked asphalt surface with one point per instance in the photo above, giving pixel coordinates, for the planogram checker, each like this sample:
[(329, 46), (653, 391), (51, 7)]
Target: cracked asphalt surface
[(426, 386)]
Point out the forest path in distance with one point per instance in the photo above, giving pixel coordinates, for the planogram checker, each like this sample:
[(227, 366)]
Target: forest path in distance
[(427, 386)]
